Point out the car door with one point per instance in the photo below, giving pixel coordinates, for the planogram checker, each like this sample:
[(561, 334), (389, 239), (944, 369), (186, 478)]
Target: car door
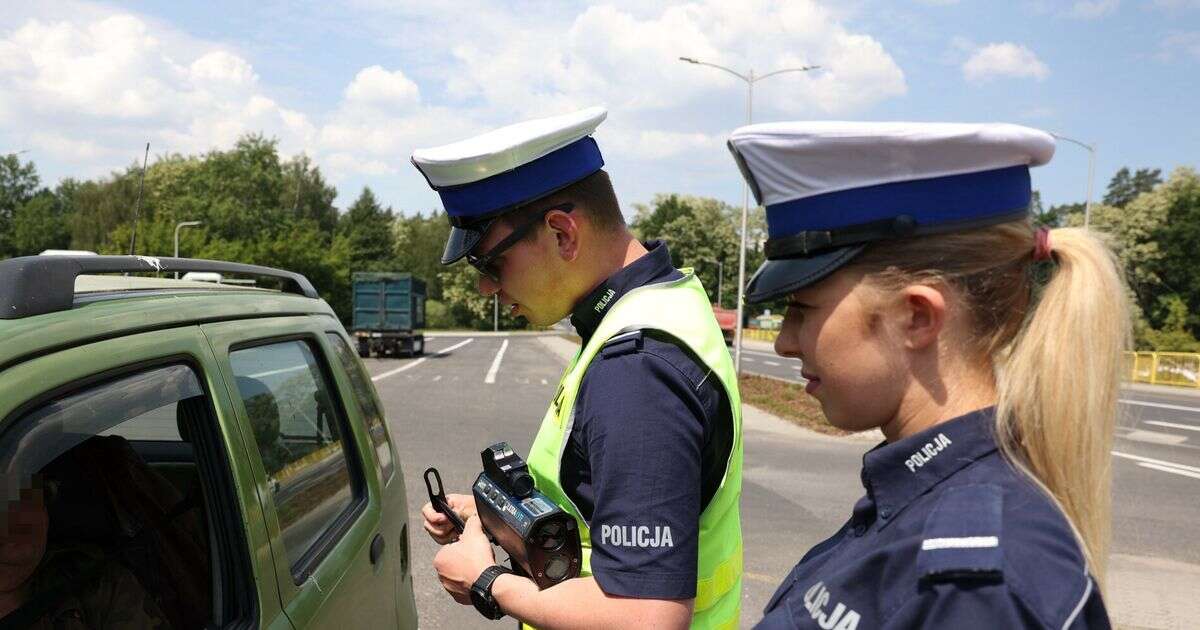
[(314, 469), (130, 386)]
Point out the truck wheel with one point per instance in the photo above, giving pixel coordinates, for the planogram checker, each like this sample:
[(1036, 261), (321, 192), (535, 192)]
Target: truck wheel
[(364, 350)]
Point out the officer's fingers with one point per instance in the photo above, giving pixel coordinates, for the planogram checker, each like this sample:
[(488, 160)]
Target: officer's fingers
[(464, 504), (442, 535), (431, 515), (473, 526)]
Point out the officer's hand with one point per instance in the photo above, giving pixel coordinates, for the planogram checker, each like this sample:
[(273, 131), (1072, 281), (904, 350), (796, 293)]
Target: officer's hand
[(459, 564), (439, 527)]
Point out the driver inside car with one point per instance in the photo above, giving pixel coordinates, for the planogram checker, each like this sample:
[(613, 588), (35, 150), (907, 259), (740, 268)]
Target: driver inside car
[(70, 587)]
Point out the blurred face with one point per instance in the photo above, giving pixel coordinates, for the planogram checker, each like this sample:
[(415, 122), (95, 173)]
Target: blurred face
[(853, 365), (23, 527), (530, 275)]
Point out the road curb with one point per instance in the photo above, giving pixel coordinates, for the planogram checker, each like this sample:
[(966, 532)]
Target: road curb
[(753, 417)]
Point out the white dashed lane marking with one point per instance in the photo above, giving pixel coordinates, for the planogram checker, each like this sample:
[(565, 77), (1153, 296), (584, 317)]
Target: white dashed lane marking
[(1162, 466), (1158, 405), (1172, 425), (491, 375), (421, 360)]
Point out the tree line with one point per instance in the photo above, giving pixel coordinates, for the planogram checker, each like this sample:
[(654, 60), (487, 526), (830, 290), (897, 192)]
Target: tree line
[(256, 207)]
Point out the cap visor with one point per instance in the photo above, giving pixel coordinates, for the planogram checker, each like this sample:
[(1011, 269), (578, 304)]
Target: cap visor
[(463, 239), (777, 278)]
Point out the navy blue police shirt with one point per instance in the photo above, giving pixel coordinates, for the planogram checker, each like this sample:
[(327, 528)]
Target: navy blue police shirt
[(648, 447), (949, 535)]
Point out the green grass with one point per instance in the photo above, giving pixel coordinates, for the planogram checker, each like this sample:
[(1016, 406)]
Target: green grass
[(786, 400)]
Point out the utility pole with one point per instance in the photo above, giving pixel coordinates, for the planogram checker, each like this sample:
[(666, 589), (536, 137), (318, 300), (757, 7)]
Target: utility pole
[(750, 79)]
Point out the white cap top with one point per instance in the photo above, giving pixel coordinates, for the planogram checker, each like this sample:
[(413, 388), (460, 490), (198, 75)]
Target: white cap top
[(795, 160), (504, 149)]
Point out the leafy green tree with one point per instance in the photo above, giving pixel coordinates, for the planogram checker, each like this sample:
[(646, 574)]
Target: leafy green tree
[(701, 231), (18, 184), (1173, 335), (418, 241), (1178, 238), (465, 306), (1125, 187), (306, 195), (368, 227), (40, 224)]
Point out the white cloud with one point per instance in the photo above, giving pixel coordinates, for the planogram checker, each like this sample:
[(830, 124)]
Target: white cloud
[(96, 86), (1177, 4), (629, 60), (1178, 45), (96, 82), (1092, 9), (377, 87), (1004, 59)]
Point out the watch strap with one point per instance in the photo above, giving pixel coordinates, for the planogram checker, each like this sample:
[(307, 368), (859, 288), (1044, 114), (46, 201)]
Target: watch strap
[(481, 592)]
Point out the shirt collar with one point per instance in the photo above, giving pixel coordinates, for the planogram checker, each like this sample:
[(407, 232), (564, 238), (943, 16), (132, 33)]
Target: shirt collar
[(655, 266), (894, 474)]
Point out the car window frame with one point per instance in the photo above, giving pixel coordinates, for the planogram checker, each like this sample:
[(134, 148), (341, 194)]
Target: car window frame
[(306, 565), (231, 555), (384, 480)]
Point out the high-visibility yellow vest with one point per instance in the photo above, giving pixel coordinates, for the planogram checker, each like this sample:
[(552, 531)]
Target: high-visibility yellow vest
[(681, 309)]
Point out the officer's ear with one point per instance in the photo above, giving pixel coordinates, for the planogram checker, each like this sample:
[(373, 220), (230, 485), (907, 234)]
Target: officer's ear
[(922, 315), (565, 229)]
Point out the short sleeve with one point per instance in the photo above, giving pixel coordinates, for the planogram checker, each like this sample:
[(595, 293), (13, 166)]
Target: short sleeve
[(644, 436)]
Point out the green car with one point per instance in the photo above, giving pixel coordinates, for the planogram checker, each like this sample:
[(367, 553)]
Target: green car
[(186, 454)]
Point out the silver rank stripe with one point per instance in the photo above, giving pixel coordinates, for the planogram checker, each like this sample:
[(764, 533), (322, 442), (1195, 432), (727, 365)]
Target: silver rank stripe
[(966, 542)]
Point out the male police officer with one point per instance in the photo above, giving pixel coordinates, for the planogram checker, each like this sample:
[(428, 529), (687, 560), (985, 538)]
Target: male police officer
[(642, 442)]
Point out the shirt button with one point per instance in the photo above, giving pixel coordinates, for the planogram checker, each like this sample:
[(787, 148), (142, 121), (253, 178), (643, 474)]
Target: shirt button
[(883, 513)]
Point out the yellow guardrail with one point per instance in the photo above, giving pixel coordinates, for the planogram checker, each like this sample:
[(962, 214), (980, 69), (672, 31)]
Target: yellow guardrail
[(760, 334), (1181, 369)]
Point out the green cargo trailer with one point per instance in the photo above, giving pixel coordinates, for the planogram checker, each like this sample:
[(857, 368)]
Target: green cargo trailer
[(389, 310)]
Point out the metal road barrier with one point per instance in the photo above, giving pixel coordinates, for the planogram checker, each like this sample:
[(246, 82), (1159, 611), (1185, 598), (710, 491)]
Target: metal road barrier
[(1163, 368), (1181, 369), (760, 334)]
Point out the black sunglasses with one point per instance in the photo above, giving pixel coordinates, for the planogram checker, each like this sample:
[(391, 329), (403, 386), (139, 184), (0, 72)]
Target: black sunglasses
[(486, 263)]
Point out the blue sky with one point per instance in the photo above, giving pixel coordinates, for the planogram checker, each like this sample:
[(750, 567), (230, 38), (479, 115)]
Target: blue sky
[(358, 85)]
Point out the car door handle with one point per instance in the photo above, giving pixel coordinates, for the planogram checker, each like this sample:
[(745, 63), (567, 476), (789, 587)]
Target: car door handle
[(377, 547)]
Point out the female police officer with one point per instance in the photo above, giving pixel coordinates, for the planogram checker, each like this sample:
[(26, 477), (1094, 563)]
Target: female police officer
[(922, 302)]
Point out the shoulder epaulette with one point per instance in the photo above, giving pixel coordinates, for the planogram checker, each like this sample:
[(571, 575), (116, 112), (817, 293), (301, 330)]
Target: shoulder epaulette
[(624, 343), (962, 537)]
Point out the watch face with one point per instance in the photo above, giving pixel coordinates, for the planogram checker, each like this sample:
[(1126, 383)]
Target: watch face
[(481, 593)]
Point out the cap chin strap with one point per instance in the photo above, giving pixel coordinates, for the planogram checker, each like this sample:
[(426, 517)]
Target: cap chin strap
[(811, 242)]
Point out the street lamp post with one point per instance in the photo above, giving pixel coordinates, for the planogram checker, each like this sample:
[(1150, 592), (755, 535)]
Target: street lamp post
[(750, 80), (1087, 211), (179, 226), (720, 276)]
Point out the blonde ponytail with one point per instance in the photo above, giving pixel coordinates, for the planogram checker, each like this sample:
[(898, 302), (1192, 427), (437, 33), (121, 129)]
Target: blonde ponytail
[(1058, 385), (1053, 332)]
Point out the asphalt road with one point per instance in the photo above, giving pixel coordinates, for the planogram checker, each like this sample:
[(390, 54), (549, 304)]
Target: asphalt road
[(469, 392)]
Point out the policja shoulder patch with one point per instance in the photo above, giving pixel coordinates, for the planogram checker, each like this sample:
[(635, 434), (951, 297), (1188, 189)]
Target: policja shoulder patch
[(962, 536)]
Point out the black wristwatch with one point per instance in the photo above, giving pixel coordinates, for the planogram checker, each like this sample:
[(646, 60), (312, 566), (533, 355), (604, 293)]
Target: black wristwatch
[(481, 592)]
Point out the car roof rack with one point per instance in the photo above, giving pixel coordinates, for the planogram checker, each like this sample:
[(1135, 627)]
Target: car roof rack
[(35, 285)]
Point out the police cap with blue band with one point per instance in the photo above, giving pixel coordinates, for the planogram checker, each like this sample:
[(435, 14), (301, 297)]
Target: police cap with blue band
[(832, 188), (483, 177)]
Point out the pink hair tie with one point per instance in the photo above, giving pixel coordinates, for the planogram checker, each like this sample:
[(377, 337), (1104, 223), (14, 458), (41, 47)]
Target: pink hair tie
[(1041, 248)]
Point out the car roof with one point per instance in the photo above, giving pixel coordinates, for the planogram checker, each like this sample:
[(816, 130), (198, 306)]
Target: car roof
[(118, 284), (107, 306)]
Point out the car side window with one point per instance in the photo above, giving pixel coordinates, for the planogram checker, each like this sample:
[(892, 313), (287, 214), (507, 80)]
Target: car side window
[(300, 437), (114, 491), (364, 392)]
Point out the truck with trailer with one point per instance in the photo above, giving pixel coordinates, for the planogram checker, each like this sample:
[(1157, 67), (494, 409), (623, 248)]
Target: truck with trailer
[(389, 312), (727, 321)]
